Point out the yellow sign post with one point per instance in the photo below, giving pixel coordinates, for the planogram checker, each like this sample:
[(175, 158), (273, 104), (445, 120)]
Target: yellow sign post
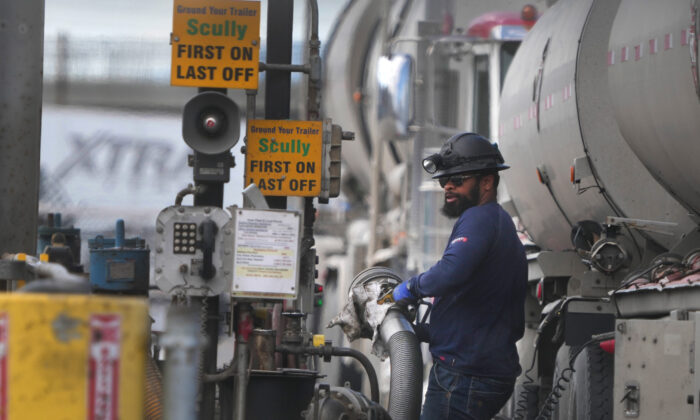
[(215, 43), (283, 158)]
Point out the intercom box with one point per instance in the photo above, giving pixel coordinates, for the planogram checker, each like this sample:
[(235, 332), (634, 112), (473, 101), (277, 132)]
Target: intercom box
[(193, 251)]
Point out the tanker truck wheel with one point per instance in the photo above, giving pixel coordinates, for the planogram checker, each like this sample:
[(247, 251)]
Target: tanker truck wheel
[(592, 385)]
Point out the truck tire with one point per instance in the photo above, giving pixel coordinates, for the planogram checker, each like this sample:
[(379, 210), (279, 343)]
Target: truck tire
[(592, 385)]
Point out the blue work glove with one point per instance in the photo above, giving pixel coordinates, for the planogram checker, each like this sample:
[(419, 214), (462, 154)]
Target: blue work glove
[(402, 294)]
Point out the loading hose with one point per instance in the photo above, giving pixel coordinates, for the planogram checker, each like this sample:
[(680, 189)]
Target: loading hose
[(327, 351), (405, 395), (154, 391)]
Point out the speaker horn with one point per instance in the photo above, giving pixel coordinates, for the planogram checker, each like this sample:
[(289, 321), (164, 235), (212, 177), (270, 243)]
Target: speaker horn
[(211, 123)]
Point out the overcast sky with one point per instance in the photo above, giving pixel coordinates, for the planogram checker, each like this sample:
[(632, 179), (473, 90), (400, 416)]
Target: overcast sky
[(147, 18)]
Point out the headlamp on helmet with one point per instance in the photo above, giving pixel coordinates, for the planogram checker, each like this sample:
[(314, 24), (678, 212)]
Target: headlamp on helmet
[(432, 162)]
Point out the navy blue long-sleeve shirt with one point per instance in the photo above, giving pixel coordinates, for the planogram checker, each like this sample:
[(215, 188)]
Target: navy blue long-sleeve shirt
[(479, 286)]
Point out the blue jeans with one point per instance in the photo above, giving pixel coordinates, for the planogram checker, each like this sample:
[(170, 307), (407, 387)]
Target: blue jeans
[(452, 395)]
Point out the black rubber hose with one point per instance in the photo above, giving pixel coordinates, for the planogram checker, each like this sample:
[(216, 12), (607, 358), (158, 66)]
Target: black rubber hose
[(342, 352), (371, 374)]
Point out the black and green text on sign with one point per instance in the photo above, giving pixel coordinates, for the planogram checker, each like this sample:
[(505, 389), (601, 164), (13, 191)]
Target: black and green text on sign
[(284, 157), (215, 43)]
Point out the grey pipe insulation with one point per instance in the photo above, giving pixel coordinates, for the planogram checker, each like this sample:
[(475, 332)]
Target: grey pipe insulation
[(405, 395)]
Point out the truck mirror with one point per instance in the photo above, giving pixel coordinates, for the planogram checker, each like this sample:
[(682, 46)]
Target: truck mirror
[(395, 96)]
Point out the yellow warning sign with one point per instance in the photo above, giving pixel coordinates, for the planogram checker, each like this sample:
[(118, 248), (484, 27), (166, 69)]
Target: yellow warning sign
[(215, 43), (284, 157)]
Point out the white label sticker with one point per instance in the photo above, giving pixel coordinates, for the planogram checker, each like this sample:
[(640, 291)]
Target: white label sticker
[(266, 253)]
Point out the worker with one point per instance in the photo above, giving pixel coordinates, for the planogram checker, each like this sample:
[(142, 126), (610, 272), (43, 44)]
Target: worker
[(478, 287)]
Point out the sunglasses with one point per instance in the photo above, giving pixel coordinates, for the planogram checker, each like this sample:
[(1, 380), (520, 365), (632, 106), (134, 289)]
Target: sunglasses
[(456, 180)]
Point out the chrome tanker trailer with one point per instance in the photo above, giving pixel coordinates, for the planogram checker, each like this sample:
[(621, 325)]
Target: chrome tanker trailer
[(600, 122), (404, 76)]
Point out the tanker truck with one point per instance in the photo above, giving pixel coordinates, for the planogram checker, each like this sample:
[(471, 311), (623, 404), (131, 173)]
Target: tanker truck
[(404, 76), (599, 121)]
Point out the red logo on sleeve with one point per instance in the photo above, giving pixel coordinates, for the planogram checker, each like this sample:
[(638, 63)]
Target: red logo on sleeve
[(460, 239)]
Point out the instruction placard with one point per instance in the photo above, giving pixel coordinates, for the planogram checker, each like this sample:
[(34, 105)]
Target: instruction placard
[(284, 157), (266, 253), (215, 43)]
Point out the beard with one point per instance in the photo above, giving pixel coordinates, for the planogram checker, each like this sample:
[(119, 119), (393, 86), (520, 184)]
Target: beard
[(463, 202)]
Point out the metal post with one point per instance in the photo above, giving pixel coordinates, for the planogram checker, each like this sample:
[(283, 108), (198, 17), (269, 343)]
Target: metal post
[(241, 381), (21, 69), (314, 84), (249, 116), (308, 259), (212, 195), (374, 201), (243, 329), (209, 356), (375, 181), (182, 343), (280, 15)]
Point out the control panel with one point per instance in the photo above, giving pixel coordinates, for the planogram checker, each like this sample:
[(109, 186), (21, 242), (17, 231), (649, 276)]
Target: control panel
[(191, 255)]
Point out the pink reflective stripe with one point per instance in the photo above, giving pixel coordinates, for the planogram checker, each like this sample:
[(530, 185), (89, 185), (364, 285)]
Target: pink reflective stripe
[(103, 367), (668, 41), (653, 46)]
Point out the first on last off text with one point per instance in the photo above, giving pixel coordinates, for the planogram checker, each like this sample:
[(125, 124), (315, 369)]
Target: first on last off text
[(211, 72), (261, 173)]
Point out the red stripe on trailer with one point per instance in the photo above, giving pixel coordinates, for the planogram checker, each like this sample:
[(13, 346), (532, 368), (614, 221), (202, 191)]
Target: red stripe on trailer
[(653, 46), (518, 121), (624, 54), (483, 26), (638, 52), (549, 101), (103, 367), (684, 37), (567, 91), (532, 112), (608, 346), (611, 58), (668, 41), (4, 341)]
